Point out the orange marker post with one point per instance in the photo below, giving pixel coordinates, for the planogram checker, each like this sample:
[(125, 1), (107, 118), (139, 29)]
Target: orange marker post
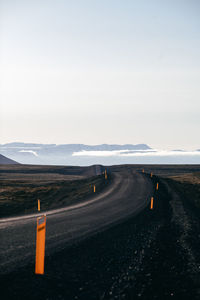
[(38, 204), (142, 170), (151, 175), (94, 188), (157, 186), (106, 177), (40, 245), (151, 207)]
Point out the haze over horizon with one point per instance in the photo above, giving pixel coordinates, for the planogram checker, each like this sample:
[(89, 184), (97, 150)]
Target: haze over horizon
[(96, 72), (86, 155), (109, 144)]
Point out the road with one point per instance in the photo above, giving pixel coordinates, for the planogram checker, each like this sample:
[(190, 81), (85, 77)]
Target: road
[(128, 194)]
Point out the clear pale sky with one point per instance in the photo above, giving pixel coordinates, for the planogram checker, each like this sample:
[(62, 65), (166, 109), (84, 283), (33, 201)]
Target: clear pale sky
[(100, 72)]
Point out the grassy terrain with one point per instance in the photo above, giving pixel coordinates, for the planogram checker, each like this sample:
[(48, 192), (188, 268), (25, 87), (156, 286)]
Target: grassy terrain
[(19, 192), (188, 186)]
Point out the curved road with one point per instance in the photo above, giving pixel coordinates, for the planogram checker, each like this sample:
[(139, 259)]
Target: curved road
[(129, 193)]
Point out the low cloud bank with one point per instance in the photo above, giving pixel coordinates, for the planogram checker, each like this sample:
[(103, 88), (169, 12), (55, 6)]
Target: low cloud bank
[(29, 151), (140, 153)]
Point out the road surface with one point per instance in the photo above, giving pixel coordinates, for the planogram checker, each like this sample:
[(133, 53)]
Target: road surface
[(128, 194)]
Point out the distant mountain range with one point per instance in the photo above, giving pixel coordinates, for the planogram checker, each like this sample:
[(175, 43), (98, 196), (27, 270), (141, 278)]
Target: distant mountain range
[(30, 153), (75, 147), (105, 154)]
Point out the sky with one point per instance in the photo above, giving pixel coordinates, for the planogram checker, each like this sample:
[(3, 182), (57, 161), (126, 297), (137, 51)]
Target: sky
[(97, 72)]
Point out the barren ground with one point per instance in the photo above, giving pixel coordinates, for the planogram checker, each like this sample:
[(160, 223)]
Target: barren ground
[(154, 255)]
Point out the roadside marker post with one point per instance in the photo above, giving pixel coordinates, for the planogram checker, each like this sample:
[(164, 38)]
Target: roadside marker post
[(151, 175), (157, 186), (38, 204), (151, 207), (40, 245), (94, 188), (106, 177), (142, 170)]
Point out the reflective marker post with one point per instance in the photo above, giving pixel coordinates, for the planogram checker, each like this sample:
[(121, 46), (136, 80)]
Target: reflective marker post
[(106, 174), (38, 204), (151, 203), (40, 245), (94, 188), (157, 186)]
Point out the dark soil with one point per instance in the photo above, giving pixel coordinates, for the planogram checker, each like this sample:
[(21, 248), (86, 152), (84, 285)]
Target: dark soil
[(145, 257)]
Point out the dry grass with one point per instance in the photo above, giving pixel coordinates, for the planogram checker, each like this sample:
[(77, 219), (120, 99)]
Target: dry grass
[(21, 186), (38, 177), (193, 178), (188, 186)]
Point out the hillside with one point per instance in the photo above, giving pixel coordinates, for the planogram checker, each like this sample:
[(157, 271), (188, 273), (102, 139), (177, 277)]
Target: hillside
[(6, 161)]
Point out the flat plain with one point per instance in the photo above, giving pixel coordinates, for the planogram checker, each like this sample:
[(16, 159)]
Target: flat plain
[(152, 255)]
